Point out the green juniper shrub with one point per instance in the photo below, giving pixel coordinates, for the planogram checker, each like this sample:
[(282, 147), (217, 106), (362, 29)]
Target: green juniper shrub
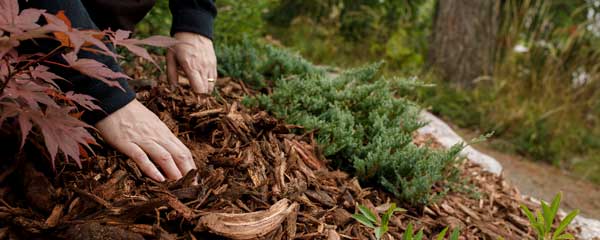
[(253, 63), (240, 62), (360, 123)]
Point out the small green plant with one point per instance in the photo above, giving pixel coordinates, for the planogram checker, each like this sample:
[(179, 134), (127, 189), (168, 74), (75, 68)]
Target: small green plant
[(542, 220), (409, 234), (378, 224)]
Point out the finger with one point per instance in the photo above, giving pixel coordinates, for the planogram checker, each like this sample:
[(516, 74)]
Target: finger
[(141, 159), (163, 158), (183, 146), (196, 79), (181, 155), (172, 68), (212, 74)]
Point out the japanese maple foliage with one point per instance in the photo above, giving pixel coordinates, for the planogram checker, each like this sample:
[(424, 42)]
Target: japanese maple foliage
[(29, 95)]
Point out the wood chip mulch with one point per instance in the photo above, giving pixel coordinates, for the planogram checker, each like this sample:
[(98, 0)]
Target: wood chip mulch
[(256, 180)]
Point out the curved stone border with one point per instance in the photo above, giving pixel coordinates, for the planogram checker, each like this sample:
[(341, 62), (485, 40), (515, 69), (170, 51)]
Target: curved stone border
[(447, 137), (590, 228)]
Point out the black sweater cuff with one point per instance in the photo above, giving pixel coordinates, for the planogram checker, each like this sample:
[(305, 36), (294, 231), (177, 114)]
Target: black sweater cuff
[(110, 99), (193, 20)]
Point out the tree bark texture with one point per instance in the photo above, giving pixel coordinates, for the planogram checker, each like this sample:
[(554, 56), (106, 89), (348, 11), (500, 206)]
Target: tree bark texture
[(463, 40)]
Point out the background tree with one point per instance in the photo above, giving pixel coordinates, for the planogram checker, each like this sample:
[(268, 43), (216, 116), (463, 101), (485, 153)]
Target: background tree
[(463, 39)]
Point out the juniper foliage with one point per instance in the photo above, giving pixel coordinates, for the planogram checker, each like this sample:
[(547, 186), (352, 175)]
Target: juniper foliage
[(361, 124), (254, 63)]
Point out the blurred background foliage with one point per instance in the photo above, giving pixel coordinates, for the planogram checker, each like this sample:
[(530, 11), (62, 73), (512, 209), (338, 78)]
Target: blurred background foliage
[(542, 101)]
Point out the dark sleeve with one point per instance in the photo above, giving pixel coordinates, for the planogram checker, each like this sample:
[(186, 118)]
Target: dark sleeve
[(110, 99), (194, 16)]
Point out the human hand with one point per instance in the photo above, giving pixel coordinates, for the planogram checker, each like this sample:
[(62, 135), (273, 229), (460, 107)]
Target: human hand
[(195, 55), (138, 133)]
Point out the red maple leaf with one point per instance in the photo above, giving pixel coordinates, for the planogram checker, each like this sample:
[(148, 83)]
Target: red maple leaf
[(41, 72), (133, 45), (63, 132), (24, 89), (13, 22), (86, 101), (74, 38), (60, 130), (94, 69)]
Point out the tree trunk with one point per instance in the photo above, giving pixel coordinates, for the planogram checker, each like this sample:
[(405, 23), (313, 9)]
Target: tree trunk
[(463, 39)]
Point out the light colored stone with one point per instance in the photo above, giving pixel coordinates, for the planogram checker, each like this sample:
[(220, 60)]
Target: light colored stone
[(447, 138)]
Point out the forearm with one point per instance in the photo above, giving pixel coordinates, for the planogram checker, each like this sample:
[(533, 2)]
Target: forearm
[(109, 98)]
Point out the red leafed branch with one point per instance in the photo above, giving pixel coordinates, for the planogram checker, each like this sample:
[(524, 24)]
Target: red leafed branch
[(14, 22), (120, 38), (30, 98), (94, 69), (59, 129)]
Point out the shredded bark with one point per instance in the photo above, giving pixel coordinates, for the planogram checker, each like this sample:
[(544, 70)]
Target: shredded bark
[(257, 178)]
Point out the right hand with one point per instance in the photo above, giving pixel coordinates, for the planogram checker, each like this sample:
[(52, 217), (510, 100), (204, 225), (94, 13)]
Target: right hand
[(195, 55), (138, 133)]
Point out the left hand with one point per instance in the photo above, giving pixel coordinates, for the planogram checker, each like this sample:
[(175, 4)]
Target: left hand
[(195, 55)]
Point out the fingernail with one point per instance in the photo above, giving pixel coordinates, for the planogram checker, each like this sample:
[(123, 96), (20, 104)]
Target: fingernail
[(161, 178)]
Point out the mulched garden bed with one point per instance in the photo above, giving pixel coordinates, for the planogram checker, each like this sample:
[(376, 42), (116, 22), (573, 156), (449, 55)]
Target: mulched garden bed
[(256, 179)]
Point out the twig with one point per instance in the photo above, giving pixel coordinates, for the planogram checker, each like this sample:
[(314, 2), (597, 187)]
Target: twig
[(57, 64), (92, 197)]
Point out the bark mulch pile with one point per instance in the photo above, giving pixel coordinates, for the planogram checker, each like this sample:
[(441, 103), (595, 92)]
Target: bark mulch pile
[(256, 180)]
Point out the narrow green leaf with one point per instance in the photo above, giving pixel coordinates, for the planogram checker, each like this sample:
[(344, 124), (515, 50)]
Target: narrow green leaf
[(528, 214), (379, 232), (367, 213), (541, 224), (455, 234), (565, 223), (532, 220), (391, 209), (442, 234), (385, 219), (399, 210), (386, 216), (419, 235), (556, 203), (553, 210), (565, 236), (539, 229), (547, 215), (364, 220), (408, 234)]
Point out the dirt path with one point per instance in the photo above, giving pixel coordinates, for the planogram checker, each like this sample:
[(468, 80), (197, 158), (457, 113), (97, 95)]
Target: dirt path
[(543, 181)]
